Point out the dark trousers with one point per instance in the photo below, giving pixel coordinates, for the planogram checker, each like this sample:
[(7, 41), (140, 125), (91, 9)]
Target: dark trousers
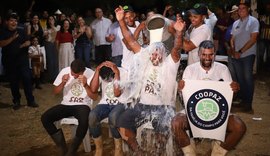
[(80, 112), (16, 72), (103, 53)]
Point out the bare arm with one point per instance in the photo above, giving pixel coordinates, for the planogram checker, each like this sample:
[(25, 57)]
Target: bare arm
[(138, 30), (91, 94), (94, 84), (178, 42), (134, 45), (88, 32), (59, 88), (188, 45)]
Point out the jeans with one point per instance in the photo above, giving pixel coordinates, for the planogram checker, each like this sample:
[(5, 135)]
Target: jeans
[(83, 52), (244, 75), (102, 111), (80, 112), (231, 68)]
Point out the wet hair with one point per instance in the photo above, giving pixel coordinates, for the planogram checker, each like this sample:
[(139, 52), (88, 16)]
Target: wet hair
[(77, 66), (106, 73), (206, 44)]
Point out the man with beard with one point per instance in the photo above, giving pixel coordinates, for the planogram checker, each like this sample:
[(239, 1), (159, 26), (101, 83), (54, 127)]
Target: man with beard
[(208, 70), (150, 86)]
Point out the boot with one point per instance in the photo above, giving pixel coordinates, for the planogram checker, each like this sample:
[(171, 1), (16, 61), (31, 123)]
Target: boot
[(189, 150), (76, 142), (60, 142), (217, 150), (99, 146), (118, 147)]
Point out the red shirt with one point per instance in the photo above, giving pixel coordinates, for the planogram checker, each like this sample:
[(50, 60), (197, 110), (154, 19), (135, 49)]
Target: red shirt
[(64, 37)]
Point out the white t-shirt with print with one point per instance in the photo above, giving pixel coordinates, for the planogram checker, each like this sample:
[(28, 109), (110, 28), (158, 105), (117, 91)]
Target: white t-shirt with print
[(218, 72), (107, 92), (159, 83), (74, 93)]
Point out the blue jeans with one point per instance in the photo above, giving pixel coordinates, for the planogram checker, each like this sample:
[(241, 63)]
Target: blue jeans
[(231, 68), (83, 52), (102, 111), (244, 75)]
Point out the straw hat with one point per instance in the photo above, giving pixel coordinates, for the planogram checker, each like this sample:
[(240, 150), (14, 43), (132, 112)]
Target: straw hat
[(234, 8)]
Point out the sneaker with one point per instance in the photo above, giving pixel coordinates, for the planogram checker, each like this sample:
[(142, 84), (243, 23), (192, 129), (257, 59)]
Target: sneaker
[(33, 104)]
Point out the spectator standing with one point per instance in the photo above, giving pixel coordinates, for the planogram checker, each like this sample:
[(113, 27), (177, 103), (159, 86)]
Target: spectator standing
[(113, 37), (192, 40), (263, 58), (83, 34), (37, 61), (64, 45), (50, 47), (243, 43), (44, 19), (234, 16), (129, 17), (14, 43), (100, 27), (35, 29)]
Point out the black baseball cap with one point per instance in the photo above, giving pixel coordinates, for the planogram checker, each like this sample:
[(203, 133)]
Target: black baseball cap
[(13, 15), (199, 9), (128, 8)]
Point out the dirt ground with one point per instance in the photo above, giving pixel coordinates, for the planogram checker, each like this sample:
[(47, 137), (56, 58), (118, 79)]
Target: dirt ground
[(22, 134)]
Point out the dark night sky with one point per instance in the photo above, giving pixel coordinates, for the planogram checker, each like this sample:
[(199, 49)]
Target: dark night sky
[(76, 5)]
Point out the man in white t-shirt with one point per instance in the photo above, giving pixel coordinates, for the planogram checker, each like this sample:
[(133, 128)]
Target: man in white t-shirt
[(197, 32), (77, 97), (151, 85), (129, 18), (208, 70), (107, 75)]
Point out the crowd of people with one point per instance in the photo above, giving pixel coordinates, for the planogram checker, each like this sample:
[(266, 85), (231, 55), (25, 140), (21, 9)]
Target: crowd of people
[(133, 64)]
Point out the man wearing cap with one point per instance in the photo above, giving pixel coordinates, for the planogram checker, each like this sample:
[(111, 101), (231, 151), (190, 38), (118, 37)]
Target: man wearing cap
[(15, 60), (129, 18), (197, 32), (234, 15), (243, 44)]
